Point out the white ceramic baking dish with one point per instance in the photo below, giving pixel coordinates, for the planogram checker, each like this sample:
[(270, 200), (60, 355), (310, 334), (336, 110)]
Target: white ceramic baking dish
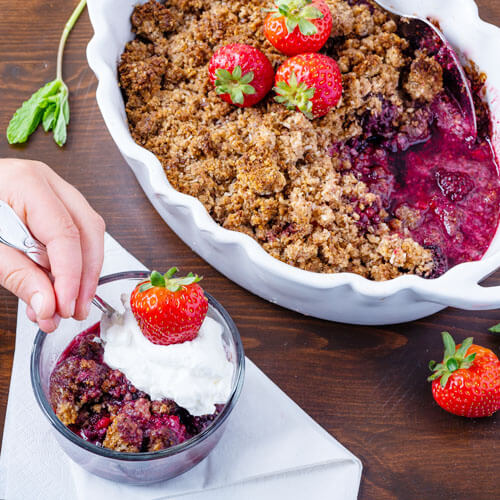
[(343, 297)]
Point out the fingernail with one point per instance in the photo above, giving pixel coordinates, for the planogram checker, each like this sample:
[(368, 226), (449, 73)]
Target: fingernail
[(72, 308), (36, 303)]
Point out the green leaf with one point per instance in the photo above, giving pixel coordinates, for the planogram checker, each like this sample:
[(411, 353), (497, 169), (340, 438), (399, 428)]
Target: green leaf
[(60, 133), (65, 109), (470, 358), (283, 10), (452, 364), (27, 118), (49, 117), (247, 78), (188, 280), (495, 329), (173, 287), (311, 12), (282, 85), (307, 28), (309, 93), (449, 344), (237, 73), (464, 347), (308, 112), (291, 24), (248, 89), (223, 75), (434, 376), (145, 287), (444, 379), (237, 96)]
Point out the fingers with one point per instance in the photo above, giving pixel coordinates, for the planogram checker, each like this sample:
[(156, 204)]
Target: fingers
[(52, 224), (91, 228), (25, 279), (26, 188), (60, 217)]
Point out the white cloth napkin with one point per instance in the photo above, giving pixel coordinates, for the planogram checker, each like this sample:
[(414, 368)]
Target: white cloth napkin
[(271, 449)]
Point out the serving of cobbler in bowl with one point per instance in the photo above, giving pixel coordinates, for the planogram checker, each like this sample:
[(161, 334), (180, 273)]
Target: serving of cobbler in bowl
[(144, 395), (377, 199)]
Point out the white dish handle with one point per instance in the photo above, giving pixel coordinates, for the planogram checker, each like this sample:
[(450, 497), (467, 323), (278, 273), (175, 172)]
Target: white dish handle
[(472, 297)]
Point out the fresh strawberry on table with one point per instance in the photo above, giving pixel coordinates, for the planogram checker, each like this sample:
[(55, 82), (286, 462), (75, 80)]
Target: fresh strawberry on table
[(169, 310), (242, 74), (310, 83), (467, 381), (298, 26)]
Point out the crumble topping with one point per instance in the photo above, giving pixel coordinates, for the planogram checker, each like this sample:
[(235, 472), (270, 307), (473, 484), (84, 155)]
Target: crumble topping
[(270, 172), (102, 406)]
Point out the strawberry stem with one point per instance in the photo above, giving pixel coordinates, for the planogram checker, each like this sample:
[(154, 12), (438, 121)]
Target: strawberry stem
[(295, 94), (157, 279), (454, 359), (236, 84), (168, 281), (298, 13)]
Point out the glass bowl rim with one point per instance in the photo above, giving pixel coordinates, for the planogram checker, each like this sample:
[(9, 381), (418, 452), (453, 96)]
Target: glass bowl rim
[(46, 407)]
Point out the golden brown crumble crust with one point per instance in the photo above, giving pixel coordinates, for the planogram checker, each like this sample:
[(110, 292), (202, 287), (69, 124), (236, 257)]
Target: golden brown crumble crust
[(266, 171)]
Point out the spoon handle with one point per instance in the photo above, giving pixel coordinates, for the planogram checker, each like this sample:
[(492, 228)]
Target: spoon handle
[(15, 234)]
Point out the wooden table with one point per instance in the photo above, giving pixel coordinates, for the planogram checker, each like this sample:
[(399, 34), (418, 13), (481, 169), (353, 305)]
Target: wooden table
[(366, 386)]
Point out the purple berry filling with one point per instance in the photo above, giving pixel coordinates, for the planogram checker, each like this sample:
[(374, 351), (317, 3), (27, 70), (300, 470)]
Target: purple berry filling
[(432, 175), (101, 406)]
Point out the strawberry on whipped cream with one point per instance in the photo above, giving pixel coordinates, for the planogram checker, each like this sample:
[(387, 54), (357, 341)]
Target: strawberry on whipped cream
[(196, 374)]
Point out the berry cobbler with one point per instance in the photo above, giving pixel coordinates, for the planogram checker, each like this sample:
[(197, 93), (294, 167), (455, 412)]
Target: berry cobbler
[(149, 378), (390, 181)]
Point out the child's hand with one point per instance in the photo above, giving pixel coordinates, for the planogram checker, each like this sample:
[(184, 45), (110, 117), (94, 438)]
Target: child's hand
[(60, 217)]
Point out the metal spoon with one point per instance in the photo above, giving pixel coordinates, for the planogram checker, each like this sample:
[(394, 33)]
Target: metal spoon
[(414, 28), (15, 234)]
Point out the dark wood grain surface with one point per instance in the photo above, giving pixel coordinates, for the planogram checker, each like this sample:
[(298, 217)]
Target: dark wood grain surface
[(366, 386)]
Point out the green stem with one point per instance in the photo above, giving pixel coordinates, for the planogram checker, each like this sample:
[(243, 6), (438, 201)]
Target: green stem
[(67, 29)]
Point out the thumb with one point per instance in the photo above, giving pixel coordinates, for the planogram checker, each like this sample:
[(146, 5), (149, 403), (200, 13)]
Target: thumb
[(26, 280)]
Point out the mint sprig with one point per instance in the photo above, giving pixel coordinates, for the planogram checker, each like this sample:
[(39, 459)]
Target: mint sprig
[(49, 105), (495, 329)]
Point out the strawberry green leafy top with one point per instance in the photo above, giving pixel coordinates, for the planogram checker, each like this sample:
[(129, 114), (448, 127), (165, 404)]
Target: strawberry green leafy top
[(235, 84), (454, 359), (295, 94), (297, 13), (168, 281)]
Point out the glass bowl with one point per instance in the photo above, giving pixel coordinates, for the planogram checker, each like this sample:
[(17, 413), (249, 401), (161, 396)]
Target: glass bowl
[(131, 468)]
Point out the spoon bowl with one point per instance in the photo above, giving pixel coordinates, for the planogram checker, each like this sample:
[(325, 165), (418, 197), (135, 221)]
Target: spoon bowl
[(415, 29)]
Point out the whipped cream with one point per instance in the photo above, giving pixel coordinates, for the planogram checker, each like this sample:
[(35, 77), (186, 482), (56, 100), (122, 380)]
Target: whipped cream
[(196, 374)]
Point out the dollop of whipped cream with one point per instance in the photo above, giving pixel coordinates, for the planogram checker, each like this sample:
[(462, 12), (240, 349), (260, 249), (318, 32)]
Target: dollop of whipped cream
[(196, 374)]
